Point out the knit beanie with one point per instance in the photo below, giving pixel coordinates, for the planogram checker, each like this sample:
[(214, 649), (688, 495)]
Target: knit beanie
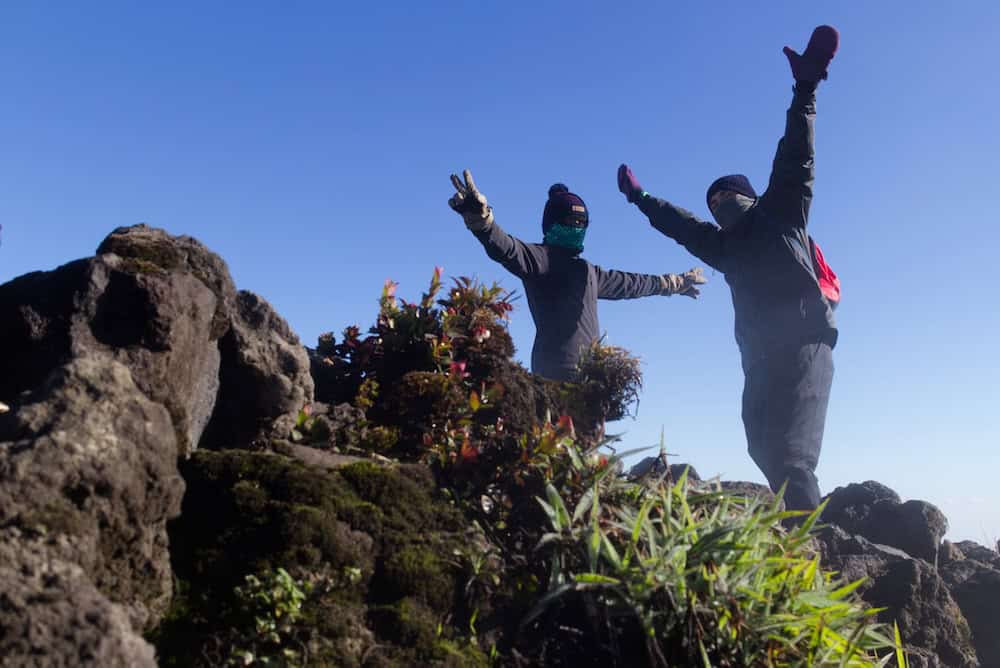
[(565, 208), (736, 183)]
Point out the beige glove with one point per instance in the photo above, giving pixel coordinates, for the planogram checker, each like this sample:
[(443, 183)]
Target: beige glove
[(470, 203), (683, 284), (4, 407)]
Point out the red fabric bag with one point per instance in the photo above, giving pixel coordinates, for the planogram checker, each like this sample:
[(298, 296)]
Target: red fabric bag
[(829, 284)]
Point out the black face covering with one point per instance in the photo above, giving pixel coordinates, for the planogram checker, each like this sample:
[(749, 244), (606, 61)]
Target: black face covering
[(730, 210)]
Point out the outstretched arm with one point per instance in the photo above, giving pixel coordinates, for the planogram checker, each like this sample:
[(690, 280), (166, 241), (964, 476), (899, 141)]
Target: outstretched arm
[(701, 239), (517, 257), (614, 284)]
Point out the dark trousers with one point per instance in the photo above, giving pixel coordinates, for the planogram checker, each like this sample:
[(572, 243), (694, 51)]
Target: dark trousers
[(784, 411)]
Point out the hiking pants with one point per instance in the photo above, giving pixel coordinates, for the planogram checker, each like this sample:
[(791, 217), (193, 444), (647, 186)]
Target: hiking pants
[(784, 411)]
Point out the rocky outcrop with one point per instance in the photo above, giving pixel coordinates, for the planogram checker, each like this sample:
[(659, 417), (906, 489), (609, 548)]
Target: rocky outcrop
[(264, 375), (875, 512), (155, 303), (112, 368), (974, 581), (88, 479), (912, 593), (945, 597)]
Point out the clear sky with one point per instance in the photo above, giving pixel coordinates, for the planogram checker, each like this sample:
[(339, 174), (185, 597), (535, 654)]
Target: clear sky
[(310, 143)]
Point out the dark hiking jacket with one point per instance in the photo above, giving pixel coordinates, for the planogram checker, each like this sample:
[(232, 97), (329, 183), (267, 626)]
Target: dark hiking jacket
[(562, 290), (766, 255)]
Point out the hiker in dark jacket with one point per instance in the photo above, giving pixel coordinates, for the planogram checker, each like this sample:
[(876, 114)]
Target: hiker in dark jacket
[(562, 288), (784, 325)]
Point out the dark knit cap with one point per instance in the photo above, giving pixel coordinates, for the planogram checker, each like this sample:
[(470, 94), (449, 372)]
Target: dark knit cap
[(736, 183), (564, 207)]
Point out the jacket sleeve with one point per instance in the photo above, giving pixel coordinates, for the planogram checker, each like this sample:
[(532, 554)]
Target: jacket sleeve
[(614, 284), (517, 257), (789, 192), (702, 239)]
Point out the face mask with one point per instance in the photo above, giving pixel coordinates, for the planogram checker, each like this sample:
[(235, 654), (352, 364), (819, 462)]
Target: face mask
[(730, 210), (566, 236)]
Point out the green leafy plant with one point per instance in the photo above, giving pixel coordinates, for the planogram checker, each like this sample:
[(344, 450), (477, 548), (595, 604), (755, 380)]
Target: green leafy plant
[(702, 577), (266, 610)]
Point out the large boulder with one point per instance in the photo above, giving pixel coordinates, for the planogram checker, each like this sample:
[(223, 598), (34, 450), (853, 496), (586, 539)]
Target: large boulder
[(912, 594), (154, 302), (875, 512), (88, 480), (264, 374), (975, 586)]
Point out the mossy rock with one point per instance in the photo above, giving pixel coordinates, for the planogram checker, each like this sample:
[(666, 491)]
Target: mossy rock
[(253, 512), (412, 636), (150, 250)]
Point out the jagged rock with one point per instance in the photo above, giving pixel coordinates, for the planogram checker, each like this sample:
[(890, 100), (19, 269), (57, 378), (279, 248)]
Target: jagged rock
[(875, 512), (154, 302), (89, 462), (850, 506), (654, 466), (748, 489), (976, 588), (912, 593), (948, 552), (314, 457), (152, 250), (971, 550), (264, 374), (51, 614)]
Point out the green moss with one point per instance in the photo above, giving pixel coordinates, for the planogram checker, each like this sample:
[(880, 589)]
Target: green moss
[(135, 265), (380, 438), (251, 512), (416, 570), (159, 252), (462, 654), (407, 623)]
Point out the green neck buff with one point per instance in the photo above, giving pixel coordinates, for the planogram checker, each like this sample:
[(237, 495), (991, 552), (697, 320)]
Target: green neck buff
[(566, 236)]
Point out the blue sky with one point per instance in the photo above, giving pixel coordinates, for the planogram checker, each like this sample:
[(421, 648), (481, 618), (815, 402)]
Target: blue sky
[(310, 143)]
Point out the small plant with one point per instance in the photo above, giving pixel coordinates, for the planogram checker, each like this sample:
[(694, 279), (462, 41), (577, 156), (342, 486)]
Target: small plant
[(305, 425), (266, 611), (611, 378)]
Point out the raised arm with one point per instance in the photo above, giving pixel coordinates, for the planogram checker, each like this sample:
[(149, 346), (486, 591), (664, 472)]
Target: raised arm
[(790, 190), (517, 257)]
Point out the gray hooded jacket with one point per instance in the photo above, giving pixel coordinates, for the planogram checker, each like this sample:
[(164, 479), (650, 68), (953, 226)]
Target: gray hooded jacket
[(562, 290)]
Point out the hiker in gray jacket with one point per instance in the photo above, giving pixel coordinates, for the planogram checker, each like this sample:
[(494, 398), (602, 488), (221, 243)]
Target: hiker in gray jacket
[(562, 288), (784, 323)]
